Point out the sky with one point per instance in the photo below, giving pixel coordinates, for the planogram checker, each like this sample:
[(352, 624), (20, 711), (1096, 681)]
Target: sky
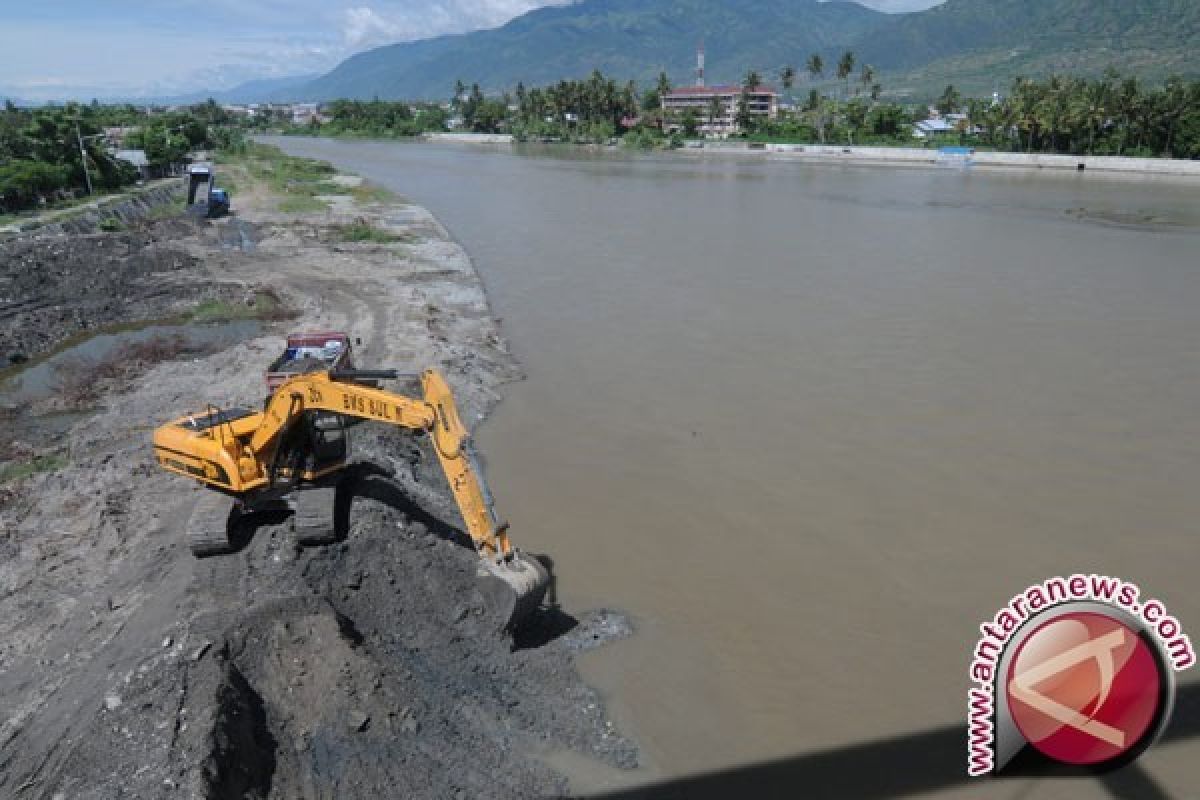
[(79, 49)]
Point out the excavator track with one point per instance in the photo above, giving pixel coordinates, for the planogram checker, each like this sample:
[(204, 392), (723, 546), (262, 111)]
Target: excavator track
[(208, 526), (312, 520)]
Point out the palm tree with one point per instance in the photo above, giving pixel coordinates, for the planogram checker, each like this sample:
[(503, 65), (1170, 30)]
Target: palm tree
[(664, 84), (844, 68), (867, 77), (950, 100), (815, 66), (787, 78), (751, 82)]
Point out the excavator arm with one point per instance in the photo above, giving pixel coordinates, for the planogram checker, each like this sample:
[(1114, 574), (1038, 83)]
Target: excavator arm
[(436, 415)]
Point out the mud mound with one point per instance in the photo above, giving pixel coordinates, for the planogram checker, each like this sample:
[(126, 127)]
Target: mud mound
[(368, 668), (397, 680)]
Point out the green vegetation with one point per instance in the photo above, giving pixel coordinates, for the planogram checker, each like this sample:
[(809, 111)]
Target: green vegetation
[(111, 225), (296, 182), (1109, 115), (377, 118), (264, 305), (41, 160), (43, 151), (367, 193), (167, 211), (591, 110), (302, 205), (984, 45), (24, 469), (1106, 116), (363, 230)]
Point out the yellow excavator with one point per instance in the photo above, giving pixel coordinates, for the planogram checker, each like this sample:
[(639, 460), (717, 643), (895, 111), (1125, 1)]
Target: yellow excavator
[(294, 453)]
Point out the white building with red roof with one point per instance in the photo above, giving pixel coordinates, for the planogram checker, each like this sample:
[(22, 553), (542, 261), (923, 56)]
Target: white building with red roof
[(715, 107)]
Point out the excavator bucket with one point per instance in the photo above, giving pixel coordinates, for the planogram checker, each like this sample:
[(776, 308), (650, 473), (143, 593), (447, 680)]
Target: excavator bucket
[(513, 589)]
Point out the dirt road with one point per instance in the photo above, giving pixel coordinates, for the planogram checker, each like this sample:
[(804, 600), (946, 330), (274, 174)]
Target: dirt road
[(365, 669)]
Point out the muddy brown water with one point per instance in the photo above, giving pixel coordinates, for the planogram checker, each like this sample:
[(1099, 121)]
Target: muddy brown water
[(810, 425)]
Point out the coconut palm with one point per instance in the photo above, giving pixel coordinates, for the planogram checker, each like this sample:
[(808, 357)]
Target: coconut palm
[(867, 77), (844, 68), (815, 66), (787, 79)]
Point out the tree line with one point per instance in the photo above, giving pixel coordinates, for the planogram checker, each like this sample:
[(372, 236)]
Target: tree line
[(1108, 115), (379, 118), (845, 103), (43, 151)]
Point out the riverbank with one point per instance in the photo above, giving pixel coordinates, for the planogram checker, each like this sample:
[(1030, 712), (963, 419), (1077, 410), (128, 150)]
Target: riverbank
[(363, 669), (113, 211), (894, 156), (958, 157)]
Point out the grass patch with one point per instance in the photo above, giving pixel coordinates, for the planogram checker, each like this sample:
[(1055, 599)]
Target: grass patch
[(367, 193), (295, 183), (48, 463), (363, 230), (265, 306), (166, 211), (302, 204), (111, 225)]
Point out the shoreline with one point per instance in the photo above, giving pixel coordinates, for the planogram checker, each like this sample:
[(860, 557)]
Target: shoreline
[(991, 159), (884, 156)]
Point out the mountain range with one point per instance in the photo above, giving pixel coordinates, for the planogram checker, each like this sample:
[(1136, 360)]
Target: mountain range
[(977, 45)]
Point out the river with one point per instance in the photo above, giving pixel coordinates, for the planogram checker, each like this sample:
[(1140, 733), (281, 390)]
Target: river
[(810, 425)]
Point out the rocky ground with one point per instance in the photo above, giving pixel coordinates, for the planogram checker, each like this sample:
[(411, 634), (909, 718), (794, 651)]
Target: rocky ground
[(369, 668)]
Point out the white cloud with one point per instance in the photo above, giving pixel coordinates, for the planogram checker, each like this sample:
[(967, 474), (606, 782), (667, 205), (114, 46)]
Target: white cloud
[(387, 22), (899, 5), (364, 25)]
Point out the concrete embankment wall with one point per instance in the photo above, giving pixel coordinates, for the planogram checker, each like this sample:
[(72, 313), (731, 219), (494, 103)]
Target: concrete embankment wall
[(124, 208), (917, 155), (471, 138)]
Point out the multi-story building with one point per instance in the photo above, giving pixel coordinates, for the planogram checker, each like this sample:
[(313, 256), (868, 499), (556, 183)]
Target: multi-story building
[(716, 107)]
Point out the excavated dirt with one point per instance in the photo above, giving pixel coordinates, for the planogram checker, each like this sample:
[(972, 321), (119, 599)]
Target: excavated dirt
[(367, 668), (54, 287)]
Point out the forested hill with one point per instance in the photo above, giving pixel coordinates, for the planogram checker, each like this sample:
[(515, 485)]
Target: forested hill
[(632, 39), (974, 44)]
